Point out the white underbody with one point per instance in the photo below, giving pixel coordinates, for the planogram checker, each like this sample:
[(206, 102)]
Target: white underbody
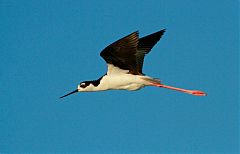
[(118, 79), (122, 82)]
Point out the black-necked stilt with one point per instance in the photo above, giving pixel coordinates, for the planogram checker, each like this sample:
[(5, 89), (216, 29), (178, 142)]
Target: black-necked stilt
[(125, 61)]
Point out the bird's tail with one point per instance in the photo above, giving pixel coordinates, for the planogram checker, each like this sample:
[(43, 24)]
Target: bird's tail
[(152, 80)]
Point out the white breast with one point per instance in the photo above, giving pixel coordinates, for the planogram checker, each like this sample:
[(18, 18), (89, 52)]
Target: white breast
[(121, 81)]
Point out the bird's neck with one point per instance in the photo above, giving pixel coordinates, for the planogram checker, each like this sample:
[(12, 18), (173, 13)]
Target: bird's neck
[(97, 85)]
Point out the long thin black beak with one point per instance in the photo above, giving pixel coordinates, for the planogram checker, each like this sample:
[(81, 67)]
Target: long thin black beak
[(70, 93)]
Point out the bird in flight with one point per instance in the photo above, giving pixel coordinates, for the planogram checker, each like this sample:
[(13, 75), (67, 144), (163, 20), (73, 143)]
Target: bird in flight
[(124, 60)]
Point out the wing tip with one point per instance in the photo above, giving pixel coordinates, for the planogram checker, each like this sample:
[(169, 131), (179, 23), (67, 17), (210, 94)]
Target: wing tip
[(162, 31)]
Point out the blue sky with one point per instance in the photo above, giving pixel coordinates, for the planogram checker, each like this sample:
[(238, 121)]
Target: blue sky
[(48, 47)]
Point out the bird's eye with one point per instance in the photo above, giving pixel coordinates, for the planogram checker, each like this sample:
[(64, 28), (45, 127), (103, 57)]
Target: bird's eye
[(82, 85)]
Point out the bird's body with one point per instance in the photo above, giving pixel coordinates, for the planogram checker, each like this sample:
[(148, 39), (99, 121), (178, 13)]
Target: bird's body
[(118, 80), (125, 59)]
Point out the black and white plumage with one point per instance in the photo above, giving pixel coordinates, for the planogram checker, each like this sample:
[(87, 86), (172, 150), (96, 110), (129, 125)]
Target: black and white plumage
[(125, 59)]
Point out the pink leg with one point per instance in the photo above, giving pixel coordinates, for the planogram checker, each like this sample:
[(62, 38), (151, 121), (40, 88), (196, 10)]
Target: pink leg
[(193, 92)]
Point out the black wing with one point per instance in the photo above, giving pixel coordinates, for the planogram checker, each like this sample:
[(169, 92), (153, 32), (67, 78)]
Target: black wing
[(128, 53), (145, 45), (122, 53)]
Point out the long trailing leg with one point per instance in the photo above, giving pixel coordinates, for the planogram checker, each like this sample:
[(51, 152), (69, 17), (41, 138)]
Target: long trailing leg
[(192, 92)]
